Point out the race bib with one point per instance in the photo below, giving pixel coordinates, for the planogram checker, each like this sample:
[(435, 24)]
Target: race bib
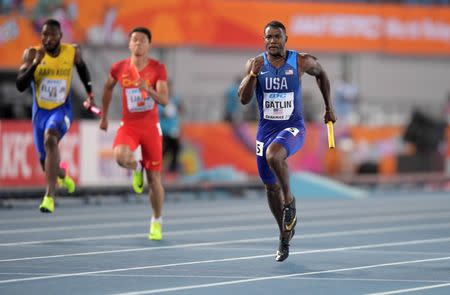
[(259, 148), (135, 101), (53, 90), (278, 106)]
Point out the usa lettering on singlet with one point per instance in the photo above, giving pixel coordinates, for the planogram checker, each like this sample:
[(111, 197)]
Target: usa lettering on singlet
[(278, 92)]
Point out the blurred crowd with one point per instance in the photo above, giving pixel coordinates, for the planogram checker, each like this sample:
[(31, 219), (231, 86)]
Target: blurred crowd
[(66, 14)]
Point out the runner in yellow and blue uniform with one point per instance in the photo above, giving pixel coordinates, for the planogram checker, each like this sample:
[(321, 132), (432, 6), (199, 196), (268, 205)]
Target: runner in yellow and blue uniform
[(47, 69)]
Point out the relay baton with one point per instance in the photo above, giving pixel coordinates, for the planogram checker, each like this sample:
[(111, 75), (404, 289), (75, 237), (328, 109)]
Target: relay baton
[(93, 109), (330, 135), (136, 76)]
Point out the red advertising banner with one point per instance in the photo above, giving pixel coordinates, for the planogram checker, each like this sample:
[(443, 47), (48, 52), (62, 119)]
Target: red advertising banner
[(311, 26), (19, 162)]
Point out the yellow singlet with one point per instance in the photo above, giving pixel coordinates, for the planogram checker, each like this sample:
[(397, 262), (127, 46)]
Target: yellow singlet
[(53, 77)]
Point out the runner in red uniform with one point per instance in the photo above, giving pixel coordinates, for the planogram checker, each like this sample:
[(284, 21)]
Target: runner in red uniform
[(144, 85)]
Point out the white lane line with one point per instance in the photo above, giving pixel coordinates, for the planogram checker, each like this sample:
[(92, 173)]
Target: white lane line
[(70, 228), (411, 289), (233, 207), (190, 287), (28, 273), (175, 213), (190, 245), (328, 250), (240, 206), (403, 252), (85, 239), (212, 211), (365, 280), (327, 222), (232, 277), (141, 235), (177, 219), (121, 224)]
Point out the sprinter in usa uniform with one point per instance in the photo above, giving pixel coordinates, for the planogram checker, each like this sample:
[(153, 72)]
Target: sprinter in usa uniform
[(275, 77)]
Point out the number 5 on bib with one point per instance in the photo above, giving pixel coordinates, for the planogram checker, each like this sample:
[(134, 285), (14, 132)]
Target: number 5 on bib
[(259, 148)]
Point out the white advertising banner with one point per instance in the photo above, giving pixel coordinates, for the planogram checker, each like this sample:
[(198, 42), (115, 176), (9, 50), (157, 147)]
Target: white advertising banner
[(87, 149), (98, 166)]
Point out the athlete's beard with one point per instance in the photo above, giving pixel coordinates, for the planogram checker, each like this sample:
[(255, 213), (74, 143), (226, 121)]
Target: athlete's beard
[(278, 55), (52, 50)]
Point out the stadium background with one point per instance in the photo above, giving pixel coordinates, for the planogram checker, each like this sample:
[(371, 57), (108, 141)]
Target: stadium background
[(393, 56)]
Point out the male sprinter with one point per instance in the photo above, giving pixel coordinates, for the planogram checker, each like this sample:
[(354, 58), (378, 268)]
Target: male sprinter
[(275, 75), (47, 69), (144, 85)]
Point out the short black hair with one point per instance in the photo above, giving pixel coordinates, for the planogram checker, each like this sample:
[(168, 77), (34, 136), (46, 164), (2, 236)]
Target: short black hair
[(142, 30), (275, 24), (52, 23)]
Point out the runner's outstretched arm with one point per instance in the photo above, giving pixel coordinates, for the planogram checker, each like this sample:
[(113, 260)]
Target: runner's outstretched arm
[(106, 100), (310, 65), (83, 71)]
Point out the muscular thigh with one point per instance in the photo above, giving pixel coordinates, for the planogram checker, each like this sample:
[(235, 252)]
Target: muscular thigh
[(126, 136), (265, 173), (55, 121), (151, 147), (291, 139)]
